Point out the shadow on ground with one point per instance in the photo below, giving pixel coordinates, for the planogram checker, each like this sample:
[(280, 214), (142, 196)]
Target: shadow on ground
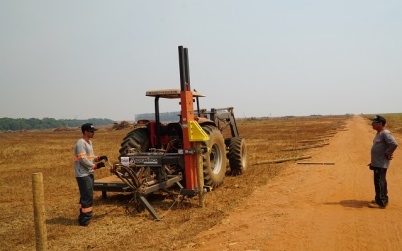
[(350, 203), (68, 221)]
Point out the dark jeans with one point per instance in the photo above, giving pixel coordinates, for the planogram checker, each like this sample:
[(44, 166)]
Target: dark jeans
[(86, 185), (380, 184)]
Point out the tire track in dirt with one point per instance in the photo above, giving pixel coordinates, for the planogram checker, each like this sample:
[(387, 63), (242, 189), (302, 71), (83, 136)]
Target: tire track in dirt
[(317, 207)]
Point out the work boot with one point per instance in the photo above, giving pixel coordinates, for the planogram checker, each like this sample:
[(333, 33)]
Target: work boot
[(376, 205), (375, 202), (84, 218)]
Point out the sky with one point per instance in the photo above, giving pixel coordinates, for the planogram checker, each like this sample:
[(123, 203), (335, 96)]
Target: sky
[(266, 58)]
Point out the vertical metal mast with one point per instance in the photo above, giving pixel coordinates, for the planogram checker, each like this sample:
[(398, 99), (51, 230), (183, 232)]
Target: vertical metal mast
[(187, 115)]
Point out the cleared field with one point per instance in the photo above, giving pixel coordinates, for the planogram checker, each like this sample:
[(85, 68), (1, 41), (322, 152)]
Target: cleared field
[(116, 225)]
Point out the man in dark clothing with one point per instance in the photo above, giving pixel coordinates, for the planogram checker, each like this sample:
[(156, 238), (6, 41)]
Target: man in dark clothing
[(384, 145), (85, 162)]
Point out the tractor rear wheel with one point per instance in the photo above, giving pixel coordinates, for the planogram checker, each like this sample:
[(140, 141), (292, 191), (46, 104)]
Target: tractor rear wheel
[(214, 161), (237, 156), (137, 139)]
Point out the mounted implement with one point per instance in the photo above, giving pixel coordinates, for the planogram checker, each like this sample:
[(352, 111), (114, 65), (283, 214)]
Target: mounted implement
[(191, 153)]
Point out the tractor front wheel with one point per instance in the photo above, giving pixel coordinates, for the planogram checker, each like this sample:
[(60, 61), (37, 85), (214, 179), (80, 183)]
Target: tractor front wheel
[(237, 156)]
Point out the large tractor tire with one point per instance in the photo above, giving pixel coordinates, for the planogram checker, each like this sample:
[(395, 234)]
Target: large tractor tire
[(237, 156), (137, 139), (214, 161)]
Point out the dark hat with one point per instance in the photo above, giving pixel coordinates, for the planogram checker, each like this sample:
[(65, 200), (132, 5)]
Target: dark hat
[(378, 118), (88, 127)]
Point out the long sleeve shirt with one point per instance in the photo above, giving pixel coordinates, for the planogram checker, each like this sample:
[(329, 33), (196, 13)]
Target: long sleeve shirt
[(84, 158), (383, 144)]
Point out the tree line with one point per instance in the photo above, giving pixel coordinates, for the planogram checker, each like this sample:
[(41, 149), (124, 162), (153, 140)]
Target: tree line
[(7, 124)]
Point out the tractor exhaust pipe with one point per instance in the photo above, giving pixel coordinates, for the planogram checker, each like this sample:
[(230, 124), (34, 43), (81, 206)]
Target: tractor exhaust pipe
[(184, 68)]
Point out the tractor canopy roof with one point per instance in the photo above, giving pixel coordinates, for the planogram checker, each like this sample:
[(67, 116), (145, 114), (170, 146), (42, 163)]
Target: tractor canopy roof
[(170, 93)]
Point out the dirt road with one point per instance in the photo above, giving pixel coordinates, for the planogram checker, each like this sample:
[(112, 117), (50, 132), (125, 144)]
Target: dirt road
[(318, 207)]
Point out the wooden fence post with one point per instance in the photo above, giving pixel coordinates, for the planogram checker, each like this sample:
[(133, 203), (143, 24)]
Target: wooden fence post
[(39, 211)]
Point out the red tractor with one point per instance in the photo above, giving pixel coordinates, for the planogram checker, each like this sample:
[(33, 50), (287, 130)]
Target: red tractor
[(191, 153)]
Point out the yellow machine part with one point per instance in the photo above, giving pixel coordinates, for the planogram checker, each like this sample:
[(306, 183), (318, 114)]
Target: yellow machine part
[(196, 133)]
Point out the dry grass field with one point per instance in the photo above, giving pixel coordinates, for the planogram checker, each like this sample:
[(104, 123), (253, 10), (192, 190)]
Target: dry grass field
[(116, 225)]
